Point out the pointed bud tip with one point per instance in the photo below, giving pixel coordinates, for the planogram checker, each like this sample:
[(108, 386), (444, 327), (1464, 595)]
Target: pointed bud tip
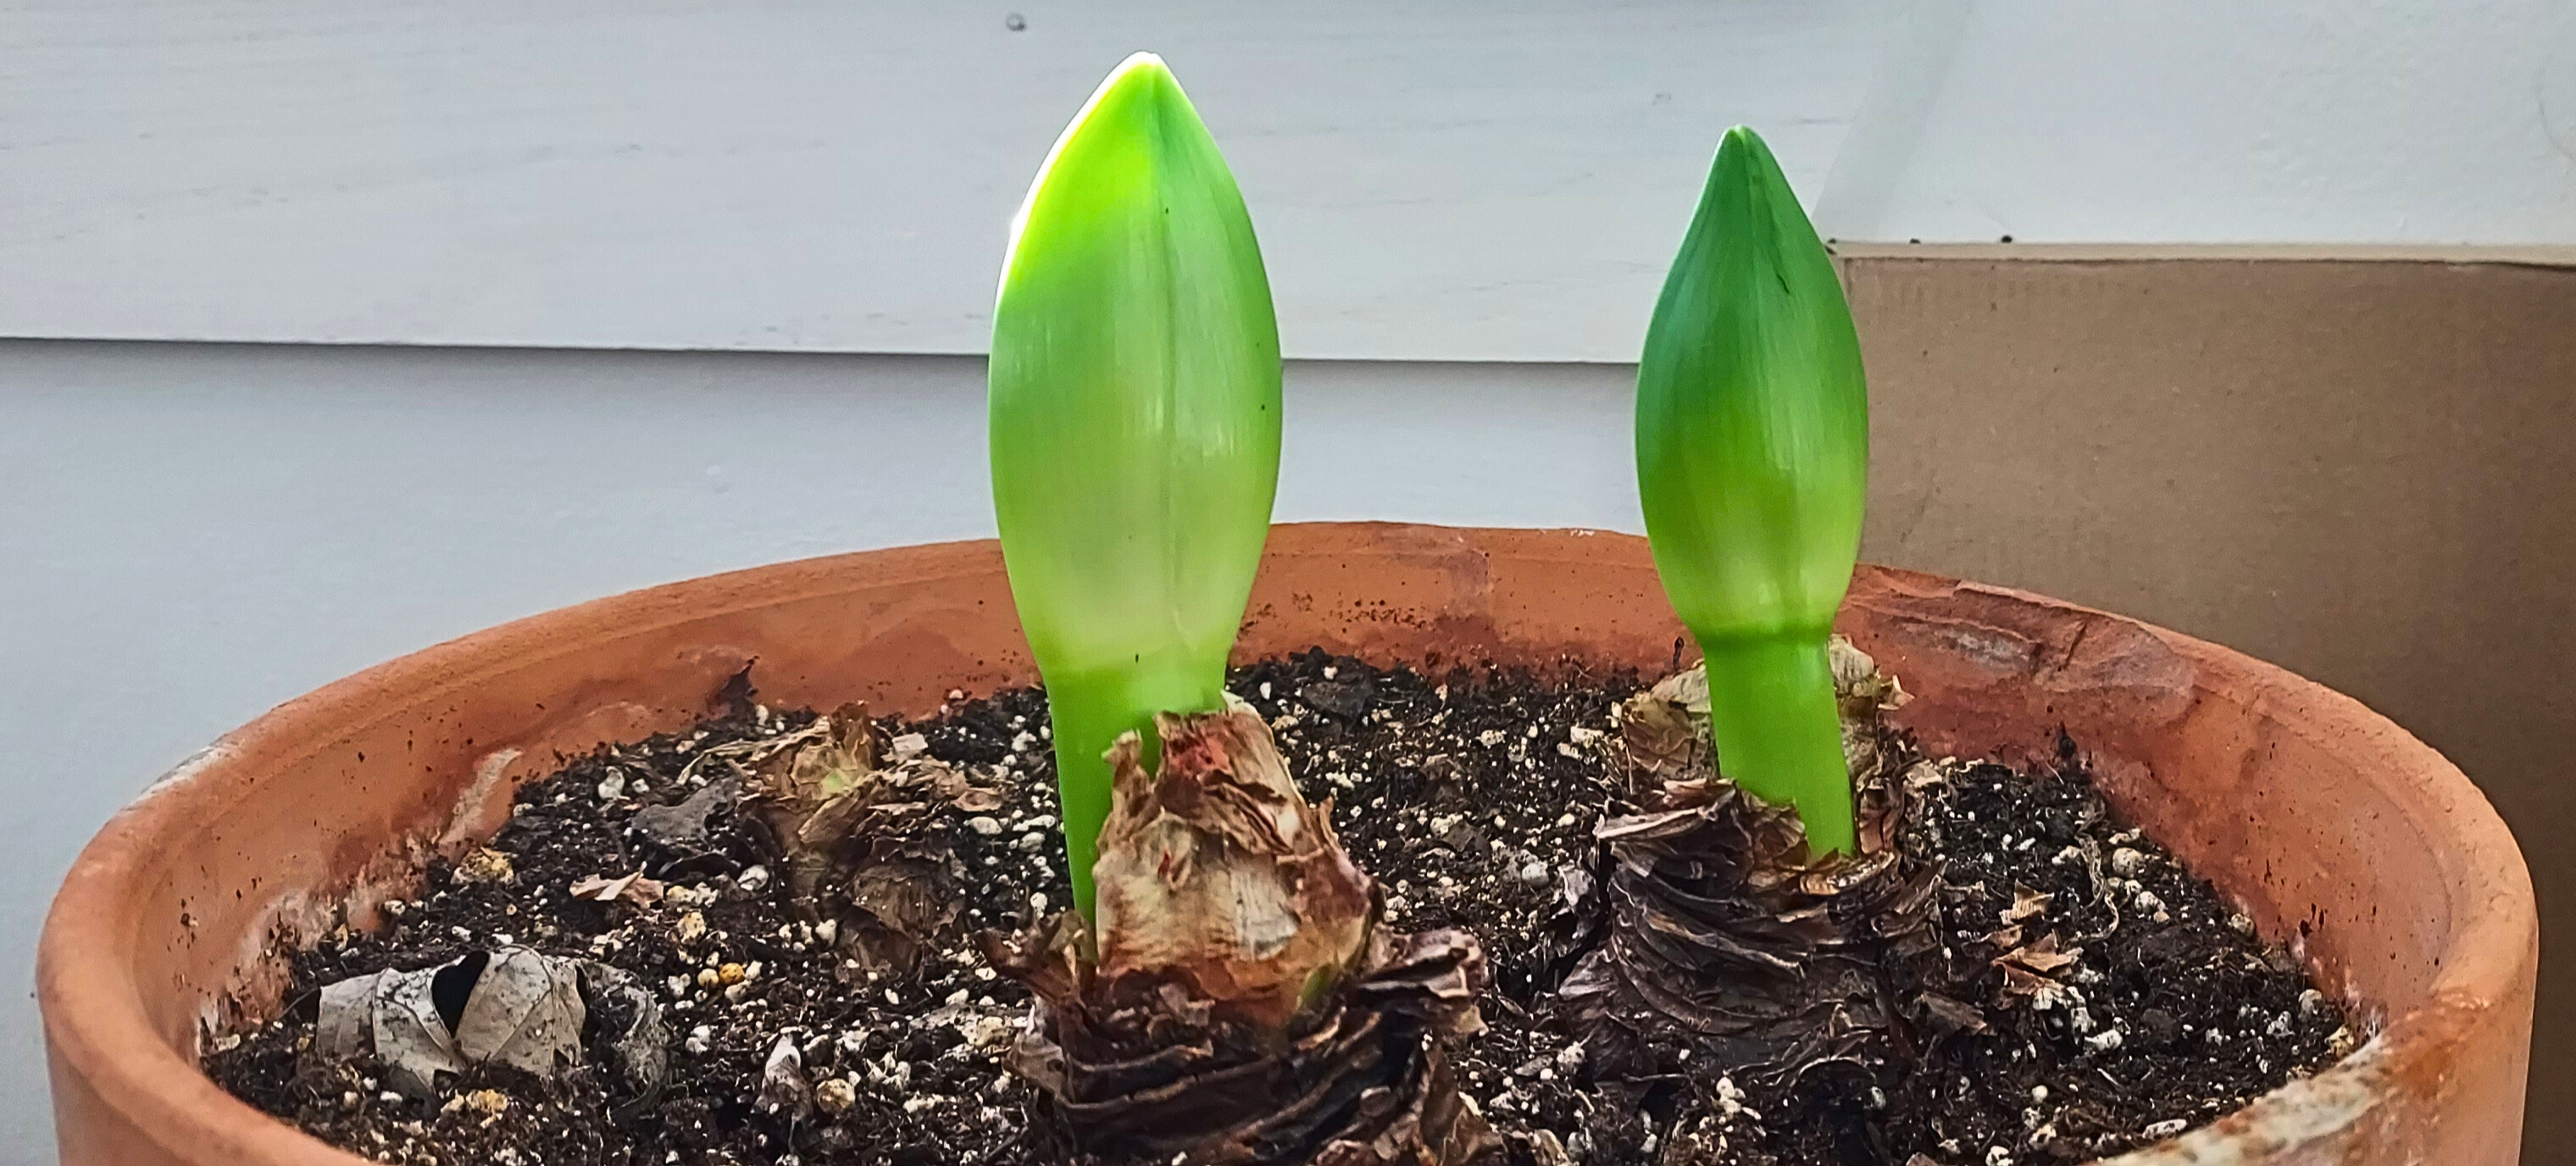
[(1139, 60), (1141, 78), (1743, 154), (1142, 73)]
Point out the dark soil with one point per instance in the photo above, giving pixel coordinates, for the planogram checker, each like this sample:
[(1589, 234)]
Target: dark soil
[(1469, 797)]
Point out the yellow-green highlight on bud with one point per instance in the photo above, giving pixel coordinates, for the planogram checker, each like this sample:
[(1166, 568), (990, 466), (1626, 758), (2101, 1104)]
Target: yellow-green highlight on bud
[(1753, 461), (1134, 415)]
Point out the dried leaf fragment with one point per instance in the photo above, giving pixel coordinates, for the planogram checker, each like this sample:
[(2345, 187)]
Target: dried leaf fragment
[(640, 1048), (2041, 957), (1862, 688), (483, 865), (835, 755), (901, 894), (1946, 1015), (525, 1011), (782, 1078), (392, 1015), (633, 888), (2030, 974), (2042, 992), (684, 825), (515, 1007), (853, 817), (2026, 903)]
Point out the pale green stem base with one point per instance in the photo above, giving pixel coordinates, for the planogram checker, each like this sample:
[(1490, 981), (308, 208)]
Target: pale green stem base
[(1089, 711), (1778, 732)]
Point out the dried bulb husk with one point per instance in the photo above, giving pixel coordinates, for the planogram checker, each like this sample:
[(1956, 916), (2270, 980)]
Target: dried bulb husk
[(853, 820), (1240, 1003), (1216, 875), (1713, 928)]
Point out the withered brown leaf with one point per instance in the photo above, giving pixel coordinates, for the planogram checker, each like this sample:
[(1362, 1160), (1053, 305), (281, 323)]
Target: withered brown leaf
[(2041, 957), (2026, 904), (852, 816), (633, 888)]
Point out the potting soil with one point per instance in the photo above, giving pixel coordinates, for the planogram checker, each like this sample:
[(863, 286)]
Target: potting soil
[(1469, 793)]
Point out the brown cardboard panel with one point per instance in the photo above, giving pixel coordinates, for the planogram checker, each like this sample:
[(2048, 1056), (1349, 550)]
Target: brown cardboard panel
[(2360, 465)]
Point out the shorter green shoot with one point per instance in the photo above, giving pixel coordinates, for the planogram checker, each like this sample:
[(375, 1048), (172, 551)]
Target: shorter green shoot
[(1753, 463)]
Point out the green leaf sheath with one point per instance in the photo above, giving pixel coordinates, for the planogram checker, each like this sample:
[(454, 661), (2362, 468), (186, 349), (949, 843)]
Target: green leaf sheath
[(1778, 732), (1753, 464), (1135, 426)]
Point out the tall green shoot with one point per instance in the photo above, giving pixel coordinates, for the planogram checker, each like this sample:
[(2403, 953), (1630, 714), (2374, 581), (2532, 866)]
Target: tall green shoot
[(1753, 461), (1134, 415)]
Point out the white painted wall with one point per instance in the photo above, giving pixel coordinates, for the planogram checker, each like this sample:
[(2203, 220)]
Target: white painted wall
[(1450, 179), (833, 176), (190, 534), (2191, 121)]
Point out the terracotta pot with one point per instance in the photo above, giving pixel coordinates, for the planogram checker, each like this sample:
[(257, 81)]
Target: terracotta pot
[(2328, 823)]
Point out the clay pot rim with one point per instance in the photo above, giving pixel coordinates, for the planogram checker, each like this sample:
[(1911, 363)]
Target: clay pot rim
[(95, 1023)]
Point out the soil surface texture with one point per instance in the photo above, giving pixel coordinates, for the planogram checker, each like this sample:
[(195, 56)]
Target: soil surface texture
[(1469, 794)]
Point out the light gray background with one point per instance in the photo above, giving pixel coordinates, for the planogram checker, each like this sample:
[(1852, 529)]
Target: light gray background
[(192, 532)]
